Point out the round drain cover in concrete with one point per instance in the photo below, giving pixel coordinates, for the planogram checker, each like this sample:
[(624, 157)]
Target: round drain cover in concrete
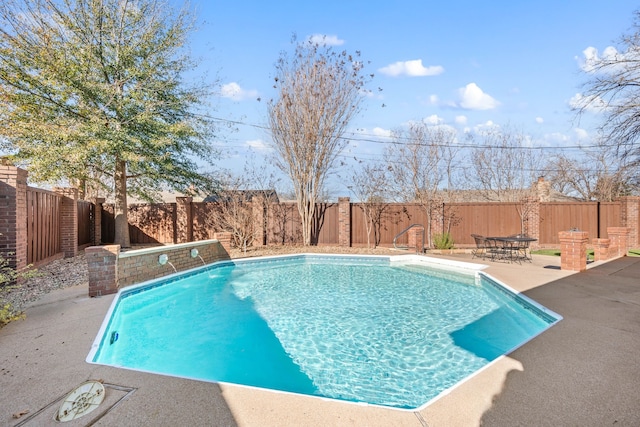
[(84, 399)]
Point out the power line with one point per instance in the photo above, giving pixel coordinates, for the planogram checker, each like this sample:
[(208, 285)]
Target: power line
[(401, 140)]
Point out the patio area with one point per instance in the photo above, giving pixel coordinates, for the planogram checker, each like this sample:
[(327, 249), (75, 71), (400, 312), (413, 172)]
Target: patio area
[(583, 371)]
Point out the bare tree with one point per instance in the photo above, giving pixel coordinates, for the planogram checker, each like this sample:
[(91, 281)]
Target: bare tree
[(370, 185), (242, 200), (504, 168), (420, 166), (233, 211), (319, 91), (613, 88), (599, 173)]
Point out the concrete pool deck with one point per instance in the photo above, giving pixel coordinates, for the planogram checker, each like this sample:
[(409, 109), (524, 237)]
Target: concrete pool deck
[(584, 371)]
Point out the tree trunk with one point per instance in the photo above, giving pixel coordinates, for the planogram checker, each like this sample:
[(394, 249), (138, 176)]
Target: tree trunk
[(120, 208), (306, 217)]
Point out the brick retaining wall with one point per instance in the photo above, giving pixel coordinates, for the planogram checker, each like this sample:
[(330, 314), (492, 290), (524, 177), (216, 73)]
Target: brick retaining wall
[(110, 269)]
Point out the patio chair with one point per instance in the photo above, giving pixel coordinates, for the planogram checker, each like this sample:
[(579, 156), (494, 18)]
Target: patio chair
[(482, 249), (521, 248)]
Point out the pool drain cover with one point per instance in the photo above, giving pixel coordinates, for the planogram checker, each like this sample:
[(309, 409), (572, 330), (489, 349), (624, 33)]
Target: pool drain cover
[(84, 399)]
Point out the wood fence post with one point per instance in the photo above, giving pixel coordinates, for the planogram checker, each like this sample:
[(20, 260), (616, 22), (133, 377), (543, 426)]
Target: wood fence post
[(184, 220), (13, 216), (68, 221)]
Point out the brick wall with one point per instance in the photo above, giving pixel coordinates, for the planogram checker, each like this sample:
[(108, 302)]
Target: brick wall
[(184, 232), (102, 265), (344, 222), (110, 269), (13, 215), (573, 250), (630, 217), (68, 221)]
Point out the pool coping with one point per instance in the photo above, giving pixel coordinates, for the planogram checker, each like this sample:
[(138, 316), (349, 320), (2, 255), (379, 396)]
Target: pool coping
[(442, 263)]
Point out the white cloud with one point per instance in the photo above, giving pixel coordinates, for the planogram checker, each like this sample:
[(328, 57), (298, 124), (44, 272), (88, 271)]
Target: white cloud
[(539, 120), (258, 144), (326, 40), (235, 92), (485, 127), (471, 97), (384, 133), (557, 139), (461, 120), (433, 120), (413, 68), (589, 103), (581, 134), (434, 100), (591, 58)]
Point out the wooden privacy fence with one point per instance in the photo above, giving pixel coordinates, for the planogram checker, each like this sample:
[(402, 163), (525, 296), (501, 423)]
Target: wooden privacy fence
[(43, 224), (279, 223), (85, 221)]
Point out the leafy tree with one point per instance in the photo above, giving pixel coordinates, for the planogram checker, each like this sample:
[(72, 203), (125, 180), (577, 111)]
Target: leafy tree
[(94, 89), (319, 91), (613, 88)]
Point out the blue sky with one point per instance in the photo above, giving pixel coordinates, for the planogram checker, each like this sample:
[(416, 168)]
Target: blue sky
[(466, 64)]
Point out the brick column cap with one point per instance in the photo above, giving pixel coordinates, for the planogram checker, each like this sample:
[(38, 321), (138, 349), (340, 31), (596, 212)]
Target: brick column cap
[(618, 230), (573, 236)]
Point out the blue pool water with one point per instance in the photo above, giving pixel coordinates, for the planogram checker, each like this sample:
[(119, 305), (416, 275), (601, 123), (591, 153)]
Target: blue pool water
[(361, 329)]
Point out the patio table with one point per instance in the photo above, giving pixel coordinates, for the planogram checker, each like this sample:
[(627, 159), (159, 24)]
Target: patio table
[(512, 248)]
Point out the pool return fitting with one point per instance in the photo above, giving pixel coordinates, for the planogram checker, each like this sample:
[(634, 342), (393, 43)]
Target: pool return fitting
[(164, 259), (194, 253)]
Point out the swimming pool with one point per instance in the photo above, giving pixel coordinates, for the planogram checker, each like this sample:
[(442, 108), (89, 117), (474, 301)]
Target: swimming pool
[(389, 331)]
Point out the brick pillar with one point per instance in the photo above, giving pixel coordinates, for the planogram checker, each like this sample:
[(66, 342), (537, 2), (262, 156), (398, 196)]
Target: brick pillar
[(601, 249), (259, 218), (68, 221), (184, 220), (532, 220), (416, 239), (102, 264), (344, 222), (224, 238), (573, 250), (630, 217), (96, 221), (13, 216), (620, 237)]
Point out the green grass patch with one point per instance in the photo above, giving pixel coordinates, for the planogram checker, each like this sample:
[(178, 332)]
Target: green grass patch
[(556, 252), (550, 252)]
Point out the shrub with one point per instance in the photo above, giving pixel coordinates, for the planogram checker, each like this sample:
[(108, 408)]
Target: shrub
[(8, 277), (443, 241)]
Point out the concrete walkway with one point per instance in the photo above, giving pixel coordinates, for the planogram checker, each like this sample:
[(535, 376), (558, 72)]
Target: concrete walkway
[(584, 371)]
